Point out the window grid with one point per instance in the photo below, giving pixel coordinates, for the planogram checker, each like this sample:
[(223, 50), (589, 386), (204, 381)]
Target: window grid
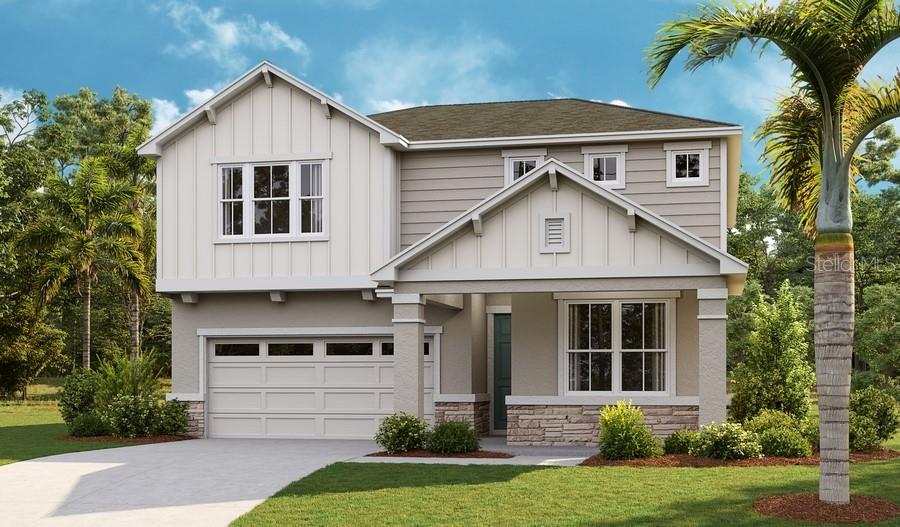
[(312, 197), (605, 168), (519, 166), (232, 201), (271, 199)]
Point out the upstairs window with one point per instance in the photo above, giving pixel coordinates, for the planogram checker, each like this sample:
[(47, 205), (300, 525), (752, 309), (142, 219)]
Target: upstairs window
[(518, 162), (605, 165), (687, 164), (312, 198), (232, 201), (271, 199)]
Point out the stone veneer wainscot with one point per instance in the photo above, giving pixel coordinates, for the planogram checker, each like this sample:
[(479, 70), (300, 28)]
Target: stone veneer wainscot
[(477, 414), (571, 425)]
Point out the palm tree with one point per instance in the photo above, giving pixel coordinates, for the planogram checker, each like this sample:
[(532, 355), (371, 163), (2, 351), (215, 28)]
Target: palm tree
[(810, 148), (87, 227)]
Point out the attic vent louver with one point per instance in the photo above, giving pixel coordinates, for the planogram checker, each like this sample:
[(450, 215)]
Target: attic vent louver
[(556, 234)]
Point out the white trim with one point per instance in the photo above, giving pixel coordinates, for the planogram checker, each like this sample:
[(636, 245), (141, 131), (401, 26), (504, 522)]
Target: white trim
[(550, 400), (326, 331), (408, 320), (688, 145), (641, 135), (185, 396), (237, 285), (604, 149), (270, 158), (712, 294), (723, 194), (407, 298), (563, 248), (712, 317), (615, 295), (698, 148), (527, 273), (498, 310), (508, 167), (460, 397), (523, 152), (619, 182)]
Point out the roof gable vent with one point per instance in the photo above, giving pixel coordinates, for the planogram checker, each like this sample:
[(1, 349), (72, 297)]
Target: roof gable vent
[(555, 233)]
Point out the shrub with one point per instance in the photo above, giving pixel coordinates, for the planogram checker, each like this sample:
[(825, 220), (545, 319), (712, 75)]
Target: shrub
[(784, 442), (130, 415), (623, 434), (771, 420), (119, 375), (401, 433), (864, 379), (774, 373), (169, 418), (453, 437), (727, 441), (810, 430), (681, 442), (89, 424), (863, 436), (877, 335), (880, 407), (77, 396)]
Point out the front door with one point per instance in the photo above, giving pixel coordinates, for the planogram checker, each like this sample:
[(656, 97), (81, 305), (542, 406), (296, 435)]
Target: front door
[(502, 367)]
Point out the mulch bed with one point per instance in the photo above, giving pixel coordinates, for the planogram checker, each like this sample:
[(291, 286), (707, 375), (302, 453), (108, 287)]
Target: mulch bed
[(807, 507), (684, 460), (426, 453), (135, 440)]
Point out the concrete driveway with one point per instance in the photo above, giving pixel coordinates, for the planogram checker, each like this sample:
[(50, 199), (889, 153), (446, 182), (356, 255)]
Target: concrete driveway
[(197, 482)]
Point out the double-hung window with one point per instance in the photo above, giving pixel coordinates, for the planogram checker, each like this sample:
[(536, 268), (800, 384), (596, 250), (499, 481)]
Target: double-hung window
[(687, 164), (616, 346), (287, 200), (605, 164)]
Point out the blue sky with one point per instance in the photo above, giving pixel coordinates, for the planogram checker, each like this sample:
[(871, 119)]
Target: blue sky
[(378, 55)]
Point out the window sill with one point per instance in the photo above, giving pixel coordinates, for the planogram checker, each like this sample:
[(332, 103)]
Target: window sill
[(689, 183), (660, 398), (610, 185), (271, 239)]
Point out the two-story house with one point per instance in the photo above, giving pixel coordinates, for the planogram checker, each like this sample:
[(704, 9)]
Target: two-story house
[(515, 264)]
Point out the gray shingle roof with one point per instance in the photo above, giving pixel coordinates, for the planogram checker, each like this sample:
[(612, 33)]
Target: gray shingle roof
[(529, 118)]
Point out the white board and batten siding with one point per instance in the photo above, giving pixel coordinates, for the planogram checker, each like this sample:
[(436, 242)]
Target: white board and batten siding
[(435, 187), (273, 121), (599, 238)]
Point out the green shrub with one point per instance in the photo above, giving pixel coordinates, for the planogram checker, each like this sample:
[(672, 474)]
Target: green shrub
[(681, 442), (864, 379), (784, 442), (401, 433), (169, 418), (119, 375), (77, 396), (774, 373), (880, 407), (727, 441), (130, 415), (623, 434), (453, 437), (810, 430), (863, 435), (770, 420), (89, 424)]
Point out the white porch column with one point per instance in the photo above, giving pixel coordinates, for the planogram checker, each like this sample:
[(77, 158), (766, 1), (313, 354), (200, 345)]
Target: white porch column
[(409, 363), (711, 319)]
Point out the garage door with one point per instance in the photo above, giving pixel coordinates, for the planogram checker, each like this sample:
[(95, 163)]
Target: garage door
[(301, 388)]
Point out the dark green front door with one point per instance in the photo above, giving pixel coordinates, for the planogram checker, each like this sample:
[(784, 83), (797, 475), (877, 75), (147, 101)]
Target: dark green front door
[(502, 367)]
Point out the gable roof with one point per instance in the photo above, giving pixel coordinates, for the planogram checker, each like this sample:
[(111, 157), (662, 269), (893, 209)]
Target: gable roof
[(264, 70), (552, 169), (531, 118)]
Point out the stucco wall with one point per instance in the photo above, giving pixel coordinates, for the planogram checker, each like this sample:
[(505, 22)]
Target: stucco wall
[(687, 360), (534, 344), (463, 349)]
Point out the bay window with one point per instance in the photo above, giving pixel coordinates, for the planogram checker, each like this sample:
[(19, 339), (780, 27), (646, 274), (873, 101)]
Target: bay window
[(616, 346)]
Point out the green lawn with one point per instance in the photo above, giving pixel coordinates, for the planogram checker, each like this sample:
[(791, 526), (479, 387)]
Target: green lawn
[(443, 495), (28, 431)]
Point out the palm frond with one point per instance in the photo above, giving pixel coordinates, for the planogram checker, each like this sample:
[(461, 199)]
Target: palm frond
[(868, 105), (119, 224)]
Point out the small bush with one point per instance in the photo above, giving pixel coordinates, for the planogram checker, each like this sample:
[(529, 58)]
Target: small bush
[(77, 396), (121, 376), (130, 416), (401, 433), (771, 420), (880, 407), (623, 434), (810, 430), (89, 424), (169, 418), (784, 442), (453, 437), (681, 442), (863, 434), (727, 441)]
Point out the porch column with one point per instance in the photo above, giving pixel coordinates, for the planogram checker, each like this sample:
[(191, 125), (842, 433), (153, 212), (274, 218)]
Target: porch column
[(409, 364), (711, 321)]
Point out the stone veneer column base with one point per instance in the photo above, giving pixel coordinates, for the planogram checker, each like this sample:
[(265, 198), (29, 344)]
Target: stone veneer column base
[(575, 425), (196, 426), (476, 413)]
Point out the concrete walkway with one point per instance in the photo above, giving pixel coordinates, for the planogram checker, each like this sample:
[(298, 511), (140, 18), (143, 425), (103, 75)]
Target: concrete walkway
[(187, 483), (524, 455)]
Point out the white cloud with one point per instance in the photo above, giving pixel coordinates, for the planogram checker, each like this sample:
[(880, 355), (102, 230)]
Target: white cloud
[(165, 112), (198, 97), (355, 4), (619, 102), (212, 36), (391, 72)]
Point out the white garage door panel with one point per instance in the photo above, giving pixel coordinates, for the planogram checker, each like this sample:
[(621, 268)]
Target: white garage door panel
[(302, 396)]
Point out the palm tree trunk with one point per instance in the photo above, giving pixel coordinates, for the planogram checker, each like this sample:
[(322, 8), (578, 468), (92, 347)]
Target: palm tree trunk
[(86, 322), (134, 319), (834, 317)]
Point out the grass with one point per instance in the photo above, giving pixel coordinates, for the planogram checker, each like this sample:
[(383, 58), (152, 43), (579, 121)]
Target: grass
[(446, 495)]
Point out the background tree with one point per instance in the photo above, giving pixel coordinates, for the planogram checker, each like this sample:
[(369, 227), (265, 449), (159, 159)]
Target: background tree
[(811, 141), (878, 329)]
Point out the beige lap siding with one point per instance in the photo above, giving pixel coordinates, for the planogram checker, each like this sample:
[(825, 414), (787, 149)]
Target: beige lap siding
[(478, 414), (569, 425)]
